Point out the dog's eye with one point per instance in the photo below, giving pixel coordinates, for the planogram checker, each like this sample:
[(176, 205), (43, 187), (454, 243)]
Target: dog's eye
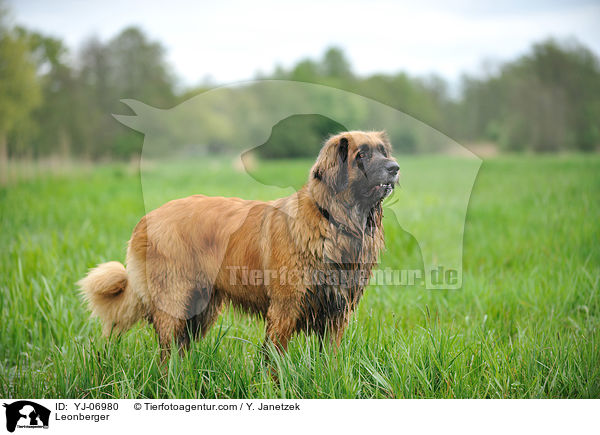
[(382, 150), (360, 155)]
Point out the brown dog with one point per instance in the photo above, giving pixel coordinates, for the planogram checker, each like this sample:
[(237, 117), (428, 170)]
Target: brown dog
[(300, 262)]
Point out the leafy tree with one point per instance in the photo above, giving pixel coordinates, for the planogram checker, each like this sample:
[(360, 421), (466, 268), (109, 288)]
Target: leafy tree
[(547, 100), (56, 117), (138, 68), (19, 89), (335, 64), (305, 71), (128, 66)]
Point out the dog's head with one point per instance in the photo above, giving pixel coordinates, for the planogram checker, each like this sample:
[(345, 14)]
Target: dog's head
[(355, 168)]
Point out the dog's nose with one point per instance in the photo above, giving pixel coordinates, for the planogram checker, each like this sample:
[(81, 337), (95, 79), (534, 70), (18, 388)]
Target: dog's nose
[(392, 168)]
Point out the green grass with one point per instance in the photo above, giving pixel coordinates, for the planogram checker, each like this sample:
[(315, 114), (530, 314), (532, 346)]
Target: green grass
[(524, 325)]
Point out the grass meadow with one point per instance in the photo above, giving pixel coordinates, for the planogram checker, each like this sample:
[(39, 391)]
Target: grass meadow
[(524, 325)]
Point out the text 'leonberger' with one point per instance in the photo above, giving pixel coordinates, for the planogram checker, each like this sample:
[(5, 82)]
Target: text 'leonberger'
[(300, 262)]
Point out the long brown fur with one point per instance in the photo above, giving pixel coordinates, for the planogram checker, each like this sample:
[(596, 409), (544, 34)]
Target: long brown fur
[(191, 256)]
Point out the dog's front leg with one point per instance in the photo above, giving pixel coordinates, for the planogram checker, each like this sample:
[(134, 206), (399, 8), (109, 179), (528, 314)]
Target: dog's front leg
[(281, 324)]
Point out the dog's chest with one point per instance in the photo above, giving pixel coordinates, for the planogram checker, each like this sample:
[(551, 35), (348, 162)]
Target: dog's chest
[(332, 294)]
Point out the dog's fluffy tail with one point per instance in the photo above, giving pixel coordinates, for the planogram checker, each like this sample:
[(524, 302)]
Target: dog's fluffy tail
[(109, 297)]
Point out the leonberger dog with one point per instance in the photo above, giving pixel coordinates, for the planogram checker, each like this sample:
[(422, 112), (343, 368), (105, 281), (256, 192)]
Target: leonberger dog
[(300, 262)]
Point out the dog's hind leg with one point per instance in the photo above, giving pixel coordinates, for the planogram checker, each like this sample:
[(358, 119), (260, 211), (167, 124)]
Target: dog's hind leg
[(168, 327), (281, 324), (201, 316)]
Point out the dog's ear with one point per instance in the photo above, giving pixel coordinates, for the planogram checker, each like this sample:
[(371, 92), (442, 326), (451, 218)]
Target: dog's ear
[(331, 167), (341, 180)]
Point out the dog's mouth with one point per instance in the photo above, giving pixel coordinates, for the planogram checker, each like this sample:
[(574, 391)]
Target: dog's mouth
[(382, 190)]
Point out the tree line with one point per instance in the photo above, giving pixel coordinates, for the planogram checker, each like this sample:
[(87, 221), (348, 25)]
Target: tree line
[(54, 101)]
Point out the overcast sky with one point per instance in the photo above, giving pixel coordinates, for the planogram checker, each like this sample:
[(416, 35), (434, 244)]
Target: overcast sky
[(233, 40)]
